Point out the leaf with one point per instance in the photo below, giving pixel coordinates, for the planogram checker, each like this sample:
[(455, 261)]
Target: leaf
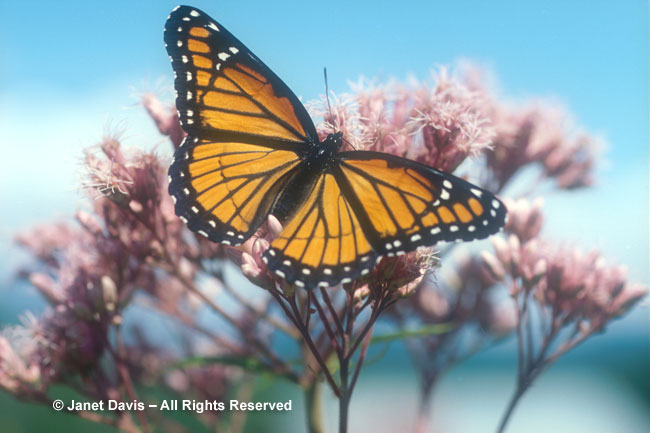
[(435, 329), (248, 363)]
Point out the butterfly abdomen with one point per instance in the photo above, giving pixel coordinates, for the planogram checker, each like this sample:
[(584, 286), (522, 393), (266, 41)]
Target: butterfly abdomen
[(315, 163), (297, 189)]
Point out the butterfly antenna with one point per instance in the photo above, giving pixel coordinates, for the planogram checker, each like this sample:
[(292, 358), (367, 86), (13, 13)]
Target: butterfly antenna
[(329, 107), (327, 96)]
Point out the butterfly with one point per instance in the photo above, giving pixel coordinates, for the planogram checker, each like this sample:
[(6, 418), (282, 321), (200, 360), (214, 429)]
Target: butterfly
[(252, 150)]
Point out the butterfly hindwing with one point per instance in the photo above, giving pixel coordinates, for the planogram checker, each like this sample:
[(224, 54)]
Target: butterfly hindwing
[(322, 243), (403, 204), (224, 190), (369, 205)]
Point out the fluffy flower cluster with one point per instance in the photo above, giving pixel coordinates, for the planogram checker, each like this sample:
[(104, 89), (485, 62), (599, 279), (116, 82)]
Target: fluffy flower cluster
[(130, 242), (577, 287), (438, 125), (539, 133), (562, 295), (20, 373)]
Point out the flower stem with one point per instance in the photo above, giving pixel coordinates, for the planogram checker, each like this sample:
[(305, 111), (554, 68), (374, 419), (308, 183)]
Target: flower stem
[(345, 355), (519, 391), (344, 399), (423, 421), (119, 358), (294, 315), (314, 407)]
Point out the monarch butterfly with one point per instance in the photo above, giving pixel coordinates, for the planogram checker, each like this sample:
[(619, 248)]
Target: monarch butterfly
[(252, 150)]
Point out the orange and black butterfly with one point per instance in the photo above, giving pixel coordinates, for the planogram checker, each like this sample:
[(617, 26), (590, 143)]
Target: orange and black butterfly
[(252, 150)]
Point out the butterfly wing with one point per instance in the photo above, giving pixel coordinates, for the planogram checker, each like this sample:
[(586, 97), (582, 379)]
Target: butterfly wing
[(402, 204), (248, 136), (371, 204), (223, 87), (224, 190), (322, 243), (247, 130)]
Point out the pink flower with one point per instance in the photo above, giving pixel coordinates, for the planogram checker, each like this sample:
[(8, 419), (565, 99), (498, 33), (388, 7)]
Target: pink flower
[(384, 111), (576, 285), (344, 117), (47, 241), (541, 133), (19, 373), (525, 218), (582, 286), (165, 118), (524, 261), (438, 125), (401, 274), (562, 295), (249, 254), (452, 122)]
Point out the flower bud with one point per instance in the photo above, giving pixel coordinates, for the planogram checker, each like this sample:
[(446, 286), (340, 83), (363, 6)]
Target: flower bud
[(48, 287), (109, 292), (88, 222), (493, 266), (135, 206)]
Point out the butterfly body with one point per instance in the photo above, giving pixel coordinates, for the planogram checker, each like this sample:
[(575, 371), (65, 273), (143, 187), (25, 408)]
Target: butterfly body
[(252, 150)]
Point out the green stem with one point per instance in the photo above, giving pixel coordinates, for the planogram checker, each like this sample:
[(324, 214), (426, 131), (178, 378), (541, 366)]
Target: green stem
[(314, 407)]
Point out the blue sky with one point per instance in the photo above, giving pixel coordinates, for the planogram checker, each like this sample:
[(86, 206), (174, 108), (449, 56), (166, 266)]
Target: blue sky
[(592, 54)]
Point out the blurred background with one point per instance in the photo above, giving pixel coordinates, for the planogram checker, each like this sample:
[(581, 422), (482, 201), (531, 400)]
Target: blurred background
[(73, 71)]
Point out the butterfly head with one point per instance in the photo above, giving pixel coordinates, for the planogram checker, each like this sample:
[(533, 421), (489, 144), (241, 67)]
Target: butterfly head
[(323, 153), (334, 140)]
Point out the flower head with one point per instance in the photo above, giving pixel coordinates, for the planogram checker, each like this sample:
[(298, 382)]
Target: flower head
[(439, 125), (249, 255), (525, 218), (401, 274), (20, 373), (584, 287), (451, 123), (165, 118), (578, 286), (541, 133)]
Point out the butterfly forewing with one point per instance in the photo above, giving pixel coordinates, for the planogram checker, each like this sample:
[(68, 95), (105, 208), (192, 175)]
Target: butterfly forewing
[(223, 87), (403, 204), (247, 130)]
